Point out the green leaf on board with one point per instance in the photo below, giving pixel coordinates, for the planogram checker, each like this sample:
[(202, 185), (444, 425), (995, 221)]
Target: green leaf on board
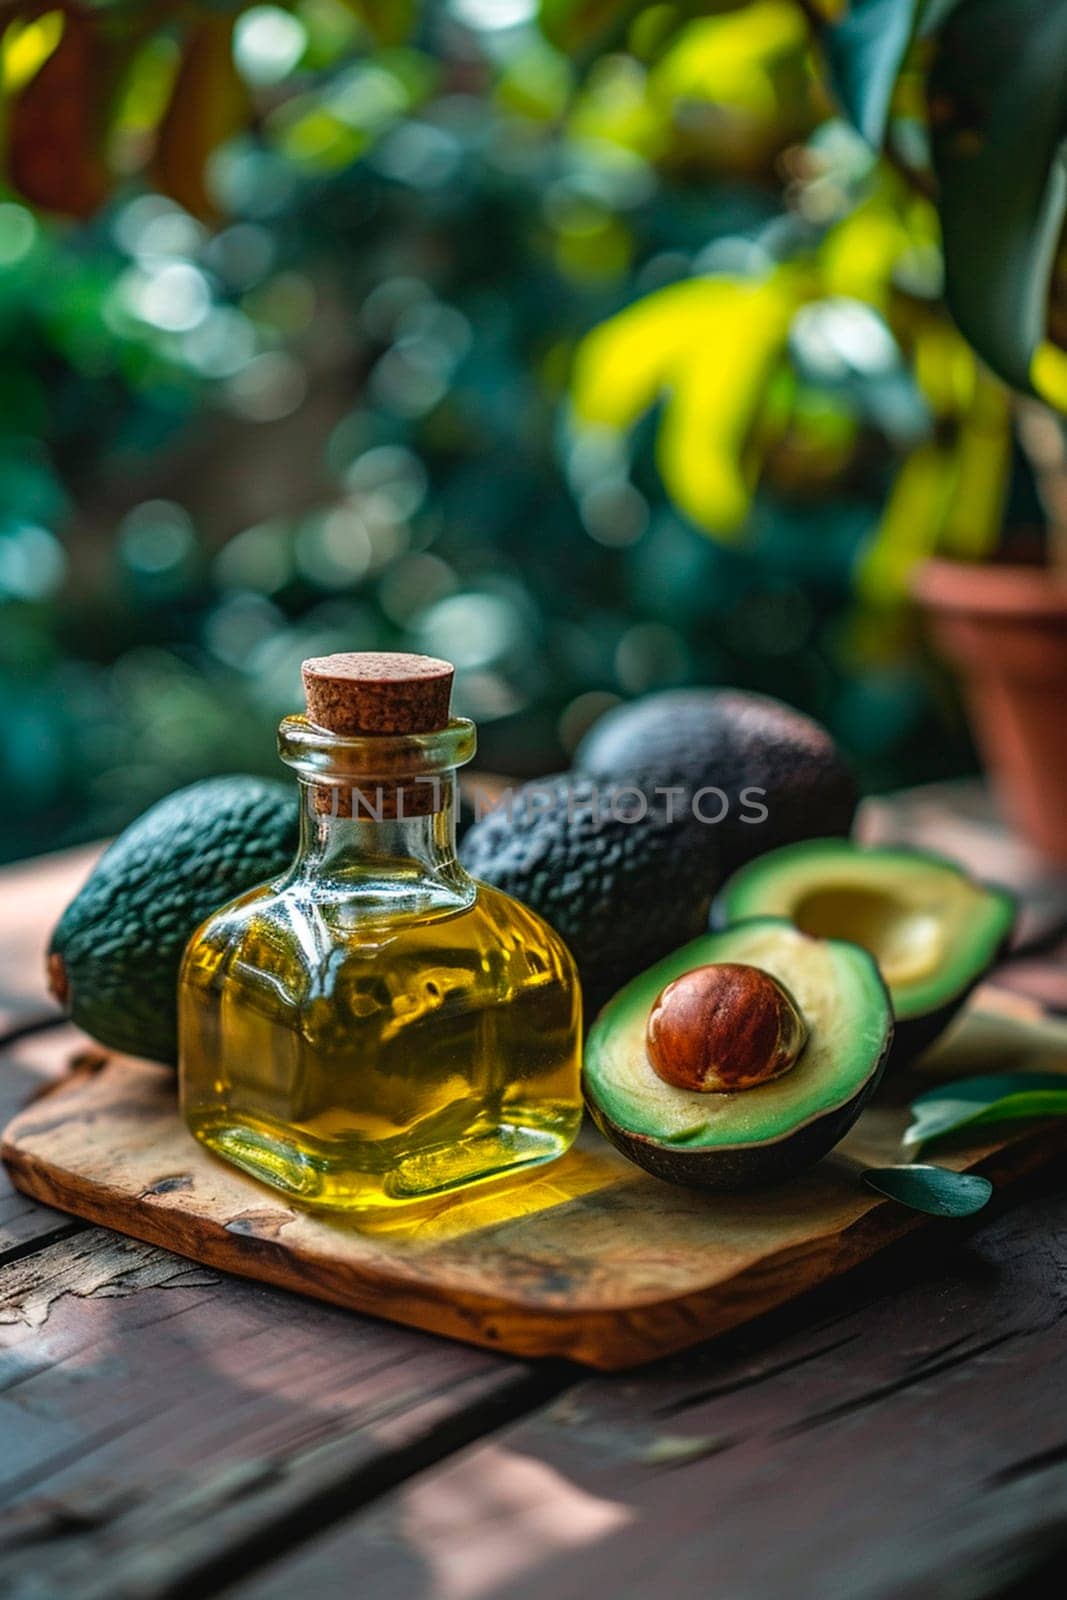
[(864, 52), (997, 95), (935, 1191), (970, 1102)]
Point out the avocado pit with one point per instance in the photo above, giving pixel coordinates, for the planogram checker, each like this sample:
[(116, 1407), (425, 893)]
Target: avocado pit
[(722, 1027)]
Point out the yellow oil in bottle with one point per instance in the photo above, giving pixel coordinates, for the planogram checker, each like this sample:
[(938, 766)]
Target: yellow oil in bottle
[(375, 1028), (373, 1064)]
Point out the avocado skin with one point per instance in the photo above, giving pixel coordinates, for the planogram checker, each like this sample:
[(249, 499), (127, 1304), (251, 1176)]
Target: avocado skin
[(916, 1034), (731, 740), (121, 938), (620, 895), (752, 1167)]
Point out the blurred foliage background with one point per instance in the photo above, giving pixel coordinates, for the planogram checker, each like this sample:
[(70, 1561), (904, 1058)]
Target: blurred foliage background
[(584, 344)]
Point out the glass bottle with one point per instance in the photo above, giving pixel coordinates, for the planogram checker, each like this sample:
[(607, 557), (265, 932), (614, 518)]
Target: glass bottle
[(374, 1027)]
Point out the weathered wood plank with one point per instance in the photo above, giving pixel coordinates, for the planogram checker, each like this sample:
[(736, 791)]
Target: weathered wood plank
[(163, 1428), (33, 895), (156, 1416), (26, 1068), (910, 1444)]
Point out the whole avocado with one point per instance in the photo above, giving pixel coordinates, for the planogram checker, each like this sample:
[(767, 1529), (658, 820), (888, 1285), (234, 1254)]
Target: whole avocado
[(115, 953), (734, 741), (621, 893)]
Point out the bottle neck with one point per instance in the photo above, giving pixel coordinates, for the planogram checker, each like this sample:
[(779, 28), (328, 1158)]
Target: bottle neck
[(393, 868), (331, 840), (377, 819)]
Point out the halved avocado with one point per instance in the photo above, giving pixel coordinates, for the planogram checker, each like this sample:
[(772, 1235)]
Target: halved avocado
[(761, 1135), (934, 931)]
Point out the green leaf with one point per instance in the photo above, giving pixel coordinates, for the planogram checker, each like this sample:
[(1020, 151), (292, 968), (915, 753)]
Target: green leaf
[(935, 1191), (864, 52), (998, 110), (969, 1102)]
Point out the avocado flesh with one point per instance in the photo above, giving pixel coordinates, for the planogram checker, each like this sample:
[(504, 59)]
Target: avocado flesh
[(844, 1004), (933, 930)]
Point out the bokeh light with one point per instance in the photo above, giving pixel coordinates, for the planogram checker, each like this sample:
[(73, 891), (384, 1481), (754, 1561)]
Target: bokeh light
[(597, 360)]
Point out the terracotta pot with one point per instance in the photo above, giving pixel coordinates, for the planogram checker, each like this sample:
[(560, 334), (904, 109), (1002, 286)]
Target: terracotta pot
[(1005, 628)]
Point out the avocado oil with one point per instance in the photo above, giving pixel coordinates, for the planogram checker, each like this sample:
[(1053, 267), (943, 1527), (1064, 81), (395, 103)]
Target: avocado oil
[(374, 1027)]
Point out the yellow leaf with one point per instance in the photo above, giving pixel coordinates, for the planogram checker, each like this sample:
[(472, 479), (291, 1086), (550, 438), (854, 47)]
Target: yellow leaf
[(945, 369), (1048, 374), (709, 347), (910, 527), (147, 88), (620, 367), (26, 48), (717, 394), (614, 108), (949, 494), (975, 512), (858, 255), (727, 59)]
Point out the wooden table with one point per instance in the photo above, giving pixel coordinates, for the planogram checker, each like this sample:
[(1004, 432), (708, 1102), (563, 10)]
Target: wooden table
[(165, 1431)]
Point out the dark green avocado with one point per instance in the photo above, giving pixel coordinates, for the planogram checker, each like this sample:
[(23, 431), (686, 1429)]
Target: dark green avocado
[(620, 893), (934, 931), (754, 1136), (693, 739), (115, 953)]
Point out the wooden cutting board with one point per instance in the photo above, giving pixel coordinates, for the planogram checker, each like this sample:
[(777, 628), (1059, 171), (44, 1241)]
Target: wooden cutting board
[(587, 1258)]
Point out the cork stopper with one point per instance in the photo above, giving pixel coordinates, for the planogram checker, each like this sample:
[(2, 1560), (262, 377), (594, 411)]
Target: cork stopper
[(378, 692), (370, 693)]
